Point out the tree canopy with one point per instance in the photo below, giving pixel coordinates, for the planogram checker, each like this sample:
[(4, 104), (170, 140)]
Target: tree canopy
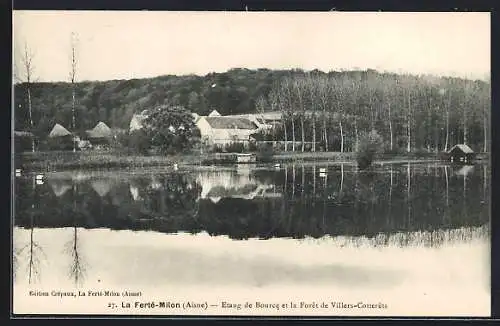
[(422, 111), (171, 128)]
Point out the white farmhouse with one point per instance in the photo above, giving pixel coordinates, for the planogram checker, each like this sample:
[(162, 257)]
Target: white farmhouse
[(223, 130)]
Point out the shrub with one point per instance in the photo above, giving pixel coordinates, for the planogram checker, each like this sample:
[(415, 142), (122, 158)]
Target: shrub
[(369, 145), (252, 146), (139, 142), (265, 152), (217, 148), (235, 148)]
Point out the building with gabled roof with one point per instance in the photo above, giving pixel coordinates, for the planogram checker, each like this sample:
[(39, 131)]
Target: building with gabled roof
[(101, 130), (214, 113), (461, 153), (59, 131), (225, 130)]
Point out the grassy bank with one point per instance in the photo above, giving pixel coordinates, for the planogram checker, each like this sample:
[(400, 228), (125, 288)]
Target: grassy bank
[(67, 160), (61, 160)]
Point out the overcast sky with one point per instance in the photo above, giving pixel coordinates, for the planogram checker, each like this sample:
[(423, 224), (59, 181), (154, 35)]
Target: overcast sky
[(123, 45)]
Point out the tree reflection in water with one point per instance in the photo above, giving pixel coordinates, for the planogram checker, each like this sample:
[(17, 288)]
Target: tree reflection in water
[(294, 201), (33, 250), (77, 268)]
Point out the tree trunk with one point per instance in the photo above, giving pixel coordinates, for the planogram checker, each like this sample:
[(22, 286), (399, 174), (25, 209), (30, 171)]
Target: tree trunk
[(390, 188), (326, 133), (293, 134), (286, 136), (485, 147), (303, 180), (341, 137), (302, 132), (484, 183), (465, 126), (341, 178), (408, 193), (465, 186), (408, 129), (314, 183), (31, 119), (73, 120), (436, 136), (429, 123), (356, 133), (390, 126), (447, 130), (447, 185), (314, 134)]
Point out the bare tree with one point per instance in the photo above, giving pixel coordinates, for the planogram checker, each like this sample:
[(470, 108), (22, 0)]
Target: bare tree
[(287, 86), (273, 100), (388, 97), (278, 99), (486, 104), (312, 89), (72, 76), (408, 116), (446, 104), (354, 93), (34, 250), (261, 106), (324, 90), (299, 86), (77, 267), (27, 61), (342, 94)]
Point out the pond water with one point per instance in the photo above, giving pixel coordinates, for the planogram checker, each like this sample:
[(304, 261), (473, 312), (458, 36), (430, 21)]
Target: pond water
[(406, 239)]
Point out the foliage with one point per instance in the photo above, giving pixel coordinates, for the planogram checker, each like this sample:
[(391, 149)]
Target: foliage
[(138, 142), (58, 143), (437, 111), (217, 148), (369, 145), (171, 129), (265, 152), (235, 147)]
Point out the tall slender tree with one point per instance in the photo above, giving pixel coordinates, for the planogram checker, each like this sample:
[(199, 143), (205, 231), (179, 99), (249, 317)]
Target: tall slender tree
[(27, 61), (324, 92), (299, 86), (72, 75)]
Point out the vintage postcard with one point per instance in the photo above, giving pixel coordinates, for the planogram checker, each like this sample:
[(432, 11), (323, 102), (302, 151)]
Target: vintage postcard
[(251, 163)]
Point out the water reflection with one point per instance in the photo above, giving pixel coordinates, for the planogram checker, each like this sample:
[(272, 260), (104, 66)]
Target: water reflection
[(401, 227), (294, 201), (31, 253)]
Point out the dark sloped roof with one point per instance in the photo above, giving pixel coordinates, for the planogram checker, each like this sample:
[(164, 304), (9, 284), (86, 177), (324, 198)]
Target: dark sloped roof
[(230, 123), (464, 148)]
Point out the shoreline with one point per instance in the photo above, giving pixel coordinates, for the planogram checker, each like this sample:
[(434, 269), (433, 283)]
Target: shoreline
[(62, 161)]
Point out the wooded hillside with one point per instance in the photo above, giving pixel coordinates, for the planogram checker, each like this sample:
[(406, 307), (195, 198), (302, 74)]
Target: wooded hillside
[(430, 110)]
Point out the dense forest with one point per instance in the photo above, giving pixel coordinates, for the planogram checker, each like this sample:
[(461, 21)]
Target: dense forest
[(333, 109)]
